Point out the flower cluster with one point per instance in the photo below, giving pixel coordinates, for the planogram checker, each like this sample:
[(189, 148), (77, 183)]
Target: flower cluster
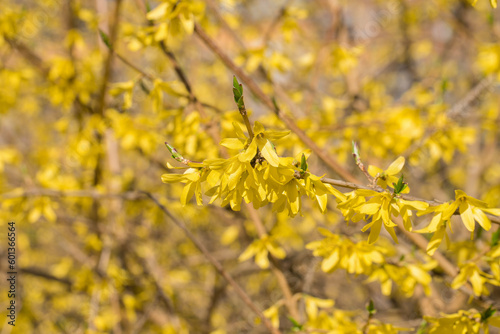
[(256, 174)]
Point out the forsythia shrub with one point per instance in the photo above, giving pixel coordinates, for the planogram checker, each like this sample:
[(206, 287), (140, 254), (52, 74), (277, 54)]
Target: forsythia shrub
[(344, 117)]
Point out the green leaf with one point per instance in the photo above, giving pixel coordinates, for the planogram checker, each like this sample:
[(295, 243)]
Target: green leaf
[(400, 186), (296, 325), (355, 148), (174, 152), (238, 93), (237, 86), (487, 313), (105, 38), (303, 163), (422, 327), (371, 308), (495, 238), (444, 85)]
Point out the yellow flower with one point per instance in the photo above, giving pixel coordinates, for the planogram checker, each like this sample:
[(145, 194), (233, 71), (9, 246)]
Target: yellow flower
[(337, 252), (193, 178), (406, 277), (470, 209), (260, 249), (462, 322), (379, 208), (387, 177), (471, 272), (313, 304)]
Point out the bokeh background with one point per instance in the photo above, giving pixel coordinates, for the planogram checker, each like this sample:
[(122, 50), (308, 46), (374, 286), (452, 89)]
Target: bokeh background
[(82, 134)]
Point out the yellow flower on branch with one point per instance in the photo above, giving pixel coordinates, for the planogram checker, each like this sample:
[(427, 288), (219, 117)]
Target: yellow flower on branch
[(256, 174), (340, 253), (260, 248), (380, 207), (463, 322), (387, 177), (406, 277), (470, 210), (478, 278), (193, 179)]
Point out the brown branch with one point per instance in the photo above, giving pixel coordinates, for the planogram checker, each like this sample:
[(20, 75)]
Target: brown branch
[(153, 78), (460, 108), (130, 195), (268, 102), (113, 34), (29, 55), (282, 282), (43, 274)]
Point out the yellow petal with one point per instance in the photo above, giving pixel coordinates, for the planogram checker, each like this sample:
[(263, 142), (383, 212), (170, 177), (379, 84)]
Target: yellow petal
[(170, 178), (187, 22), (373, 171), (366, 192), (417, 205), (248, 253), (276, 250), (258, 128), (459, 280), (420, 275), (374, 231), (311, 309), (158, 12), (494, 321), (199, 199), (433, 225), (436, 240), (261, 259), (495, 212), (322, 200), (161, 32), (230, 235), (396, 166), (213, 177), (187, 193), (481, 218), (450, 210), (232, 143), (274, 135), (238, 130), (467, 216), (249, 153), (331, 261), (269, 153), (49, 213), (324, 303), (460, 193), (493, 3), (392, 233), (477, 283), (368, 208), (293, 196)]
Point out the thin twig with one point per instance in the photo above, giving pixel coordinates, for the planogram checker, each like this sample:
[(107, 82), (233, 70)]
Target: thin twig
[(129, 195), (217, 265), (267, 101), (282, 282)]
